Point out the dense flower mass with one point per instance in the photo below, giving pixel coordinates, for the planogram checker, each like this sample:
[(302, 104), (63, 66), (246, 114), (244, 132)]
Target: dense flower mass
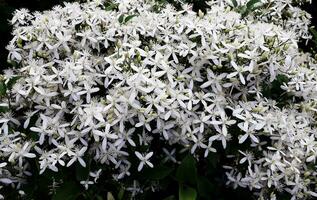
[(107, 83)]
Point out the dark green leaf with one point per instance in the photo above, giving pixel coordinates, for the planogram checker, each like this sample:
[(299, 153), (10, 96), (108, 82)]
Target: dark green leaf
[(67, 191), (187, 171), (243, 10), (187, 193), (121, 18), (3, 88), (98, 197), (235, 3), (129, 18), (172, 197), (251, 3), (111, 6), (12, 81), (249, 7), (157, 173), (3, 109), (121, 194), (12, 63), (205, 187), (314, 33)]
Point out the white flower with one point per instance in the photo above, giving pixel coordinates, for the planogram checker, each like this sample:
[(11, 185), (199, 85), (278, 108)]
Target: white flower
[(239, 71), (106, 134), (169, 156), (144, 160), (249, 132), (95, 175), (135, 189), (86, 183), (77, 155)]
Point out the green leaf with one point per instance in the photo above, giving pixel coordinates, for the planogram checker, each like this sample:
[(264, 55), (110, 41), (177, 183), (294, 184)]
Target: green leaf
[(121, 194), (157, 173), (187, 171), (205, 187), (67, 191), (12, 81), (121, 18), (110, 196), (98, 197), (129, 18), (314, 33), (172, 197), (3, 109), (249, 7), (3, 88), (187, 193), (111, 6), (235, 3), (12, 63), (251, 3)]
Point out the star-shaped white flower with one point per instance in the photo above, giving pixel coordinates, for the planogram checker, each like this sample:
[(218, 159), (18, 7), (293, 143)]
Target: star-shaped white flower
[(144, 160)]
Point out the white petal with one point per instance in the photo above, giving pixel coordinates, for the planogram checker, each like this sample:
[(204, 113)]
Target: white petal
[(243, 138), (149, 155), (5, 180), (140, 166), (139, 155), (82, 162)]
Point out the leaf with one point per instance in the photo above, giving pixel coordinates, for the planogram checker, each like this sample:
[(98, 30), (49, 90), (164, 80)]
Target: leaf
[(12, 81), (98, 197), (67, 191), (12, 63), (187, 171), (121, 18), (3, 88), (314, 33), (235, 3), (205, 187), (187, 193), (157, 173), (243, 10), (111, 6), (3, 109), (251, 3), (110, 196), (129, 18), (249, 7), (121, 194), (172, 197)]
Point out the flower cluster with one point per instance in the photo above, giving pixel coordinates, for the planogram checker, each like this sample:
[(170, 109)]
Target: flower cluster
[(108, 83)]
